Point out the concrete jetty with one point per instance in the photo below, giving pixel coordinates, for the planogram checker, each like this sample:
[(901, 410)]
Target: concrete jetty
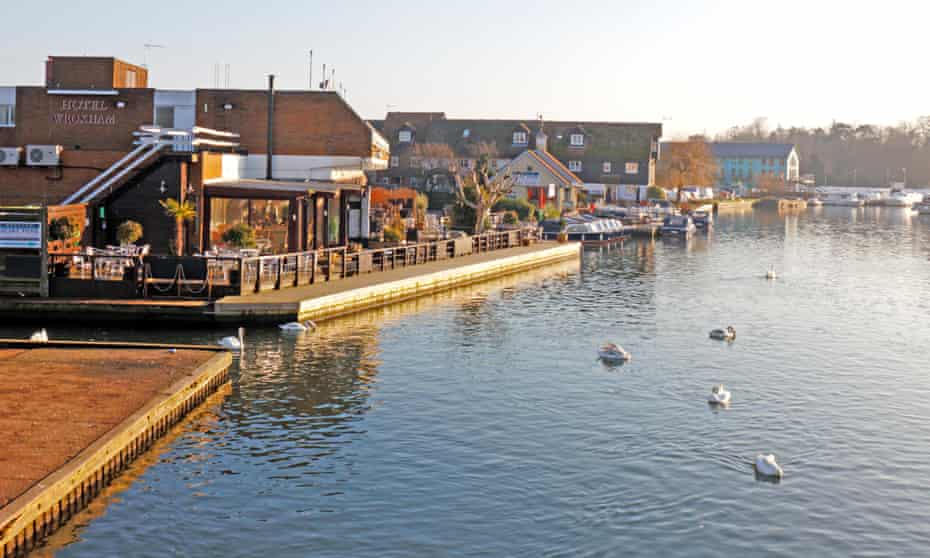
[(76, 413)]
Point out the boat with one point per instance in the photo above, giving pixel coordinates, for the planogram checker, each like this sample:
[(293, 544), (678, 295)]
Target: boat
[(702, 219), (678, 225), (923, 208), (844, 200), (297, 327), (587, 229), (766, 466), (900, 199), (719, 396), (727, 334), (613, 353)]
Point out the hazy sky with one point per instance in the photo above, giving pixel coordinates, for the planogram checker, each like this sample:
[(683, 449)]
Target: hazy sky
[(697, 66)]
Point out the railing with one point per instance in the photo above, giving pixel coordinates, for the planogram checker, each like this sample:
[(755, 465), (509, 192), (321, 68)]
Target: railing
[(210, 277)]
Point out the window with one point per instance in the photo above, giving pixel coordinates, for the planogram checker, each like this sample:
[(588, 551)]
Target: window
[(414, 182), (395, 161), (577, 140), (415, 162), (7, 115), (164, 116), (606, 167), (519, 138), (631, 168), (130, 79), (404, 136), (466, 132), (465, 163), (574, 166)]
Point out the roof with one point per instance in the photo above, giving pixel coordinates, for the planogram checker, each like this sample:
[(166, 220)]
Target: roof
[(555, 167), (750, 150), (545, 160), (288, 186)]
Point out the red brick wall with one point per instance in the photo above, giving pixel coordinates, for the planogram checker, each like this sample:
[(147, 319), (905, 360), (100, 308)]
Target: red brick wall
[(35, 185), (306, 122), (66, 120)]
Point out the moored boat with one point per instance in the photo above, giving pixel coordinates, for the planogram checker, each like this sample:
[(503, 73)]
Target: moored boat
[(678, 225)]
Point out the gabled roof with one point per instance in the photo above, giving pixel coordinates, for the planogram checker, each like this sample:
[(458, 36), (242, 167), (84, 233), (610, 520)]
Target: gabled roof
[(556, 167), (751, 150)]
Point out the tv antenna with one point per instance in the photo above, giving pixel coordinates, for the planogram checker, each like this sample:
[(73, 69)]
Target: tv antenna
[(148, 47)]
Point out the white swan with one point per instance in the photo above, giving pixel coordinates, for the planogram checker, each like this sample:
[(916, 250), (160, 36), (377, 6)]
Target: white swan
[(727, 334), (766, 466), (613, 353), (719, 396), (298, 327), (40, 336), (232, 343), (770, 274)]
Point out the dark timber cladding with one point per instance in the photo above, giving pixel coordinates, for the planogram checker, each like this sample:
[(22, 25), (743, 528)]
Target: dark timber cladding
[(80, 416)]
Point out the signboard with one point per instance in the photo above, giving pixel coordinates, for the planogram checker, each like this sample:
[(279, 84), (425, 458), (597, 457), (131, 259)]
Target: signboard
[(20, 234), (86, 112)]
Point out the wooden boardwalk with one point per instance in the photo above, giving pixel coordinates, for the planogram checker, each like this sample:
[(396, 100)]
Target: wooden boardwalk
[(75, 414)]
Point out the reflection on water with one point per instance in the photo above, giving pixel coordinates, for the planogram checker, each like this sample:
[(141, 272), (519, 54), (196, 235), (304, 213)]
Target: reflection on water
[(480, 422)]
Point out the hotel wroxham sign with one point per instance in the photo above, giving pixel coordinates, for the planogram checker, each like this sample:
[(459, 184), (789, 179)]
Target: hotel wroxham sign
[(84, 112)]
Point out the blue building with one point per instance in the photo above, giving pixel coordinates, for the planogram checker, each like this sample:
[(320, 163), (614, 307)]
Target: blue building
[(744, 162)]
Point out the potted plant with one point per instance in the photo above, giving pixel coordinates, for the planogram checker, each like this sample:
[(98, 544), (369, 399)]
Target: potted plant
[(239, 236), (128, 232)]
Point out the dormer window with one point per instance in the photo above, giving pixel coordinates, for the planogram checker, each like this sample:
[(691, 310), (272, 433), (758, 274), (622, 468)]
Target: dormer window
[(574, 166), (404, 136), (607, 168), (576, 140), (520, 138), (466, 133)]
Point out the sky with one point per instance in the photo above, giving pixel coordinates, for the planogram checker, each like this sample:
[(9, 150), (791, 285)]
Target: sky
[(697, 67)]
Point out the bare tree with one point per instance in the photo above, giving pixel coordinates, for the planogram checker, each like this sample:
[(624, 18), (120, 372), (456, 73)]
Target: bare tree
[(488, 188), (687, 163)]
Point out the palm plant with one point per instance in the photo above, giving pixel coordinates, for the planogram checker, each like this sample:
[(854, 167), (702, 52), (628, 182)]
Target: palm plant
[(180, 212)]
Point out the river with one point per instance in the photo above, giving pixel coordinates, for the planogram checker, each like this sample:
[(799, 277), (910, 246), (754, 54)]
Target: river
[(479, 422)]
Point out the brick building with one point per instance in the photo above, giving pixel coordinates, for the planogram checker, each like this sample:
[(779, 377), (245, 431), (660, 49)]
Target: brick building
[(604, 155), (57, 140)]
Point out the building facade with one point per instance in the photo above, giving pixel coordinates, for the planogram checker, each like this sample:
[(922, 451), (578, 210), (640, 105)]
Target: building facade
[(742, 163), (293, 164), (602, 154)]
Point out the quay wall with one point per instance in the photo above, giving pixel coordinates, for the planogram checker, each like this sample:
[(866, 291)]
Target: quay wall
[(50, 503)]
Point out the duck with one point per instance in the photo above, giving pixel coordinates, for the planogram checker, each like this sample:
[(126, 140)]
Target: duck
[(766, 466), (613, 353), (770, 274), (40, 336), (232, 343), (297, 326), (719, 396), (727, 334)]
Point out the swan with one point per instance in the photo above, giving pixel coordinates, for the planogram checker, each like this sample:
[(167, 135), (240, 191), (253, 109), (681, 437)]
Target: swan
[(298, 326), (719, 396), (232, 343), (770, 274), (613, 353), (40, 336), (727, 334), (766, 466)]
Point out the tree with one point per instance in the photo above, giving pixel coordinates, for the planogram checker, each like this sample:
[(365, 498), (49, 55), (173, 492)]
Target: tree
[(772, 184), (687, 163), (655, 193), (180, 212), (486, 189)]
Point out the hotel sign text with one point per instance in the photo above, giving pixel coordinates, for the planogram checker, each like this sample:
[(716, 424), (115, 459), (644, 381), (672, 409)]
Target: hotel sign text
[(84, 112)]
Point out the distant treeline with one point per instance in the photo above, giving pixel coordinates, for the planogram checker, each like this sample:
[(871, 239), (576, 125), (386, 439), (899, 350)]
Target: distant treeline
[(848, 155)]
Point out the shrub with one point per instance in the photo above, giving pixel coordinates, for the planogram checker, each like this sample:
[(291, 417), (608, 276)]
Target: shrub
[(523, 207), (552, 212), (655, 193), (128, 232), (511, 218), (240, 236), (392, 234)]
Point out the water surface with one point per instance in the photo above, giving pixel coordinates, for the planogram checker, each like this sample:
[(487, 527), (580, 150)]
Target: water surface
[(480, 424)]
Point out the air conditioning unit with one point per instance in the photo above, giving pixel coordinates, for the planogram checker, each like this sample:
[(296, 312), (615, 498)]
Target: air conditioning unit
[(9, 156), (43, 155)]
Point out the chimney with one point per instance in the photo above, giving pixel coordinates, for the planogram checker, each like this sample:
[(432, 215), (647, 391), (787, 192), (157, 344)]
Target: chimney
[(541, 140), (270, 155)]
